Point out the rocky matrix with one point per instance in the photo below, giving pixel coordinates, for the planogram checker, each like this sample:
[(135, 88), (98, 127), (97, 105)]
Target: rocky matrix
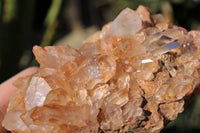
[(133, 76)]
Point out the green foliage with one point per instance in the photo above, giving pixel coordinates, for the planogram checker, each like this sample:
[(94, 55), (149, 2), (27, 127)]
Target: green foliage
[(53, 12), (17, 21), (51, 22), (10, 9)]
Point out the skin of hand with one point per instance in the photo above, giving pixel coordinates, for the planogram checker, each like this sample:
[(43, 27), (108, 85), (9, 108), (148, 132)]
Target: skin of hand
[(7, 89)]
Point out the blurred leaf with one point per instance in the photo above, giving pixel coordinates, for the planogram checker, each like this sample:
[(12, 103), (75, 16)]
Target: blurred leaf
[(51, 22), (167, 10), (49, 33), (16, 27), (53, 12), (10, 7)]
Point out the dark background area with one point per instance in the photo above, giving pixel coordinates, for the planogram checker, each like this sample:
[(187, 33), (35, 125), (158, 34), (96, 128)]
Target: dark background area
[(25, 23)]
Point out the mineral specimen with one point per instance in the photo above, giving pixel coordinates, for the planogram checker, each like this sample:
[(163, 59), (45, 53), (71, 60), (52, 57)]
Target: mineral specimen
[(133, 76)]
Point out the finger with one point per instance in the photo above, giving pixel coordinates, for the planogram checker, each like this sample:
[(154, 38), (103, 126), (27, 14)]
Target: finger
[(7, 88)]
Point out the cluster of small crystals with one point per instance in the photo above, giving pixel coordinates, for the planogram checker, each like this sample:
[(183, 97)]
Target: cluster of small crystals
[(125, 78)]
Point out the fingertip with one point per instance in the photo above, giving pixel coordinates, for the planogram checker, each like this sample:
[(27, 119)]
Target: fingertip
[(28, 71), (7, 88)]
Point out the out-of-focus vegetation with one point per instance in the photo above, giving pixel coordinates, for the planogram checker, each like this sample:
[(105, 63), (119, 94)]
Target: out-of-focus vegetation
[(24, 23)]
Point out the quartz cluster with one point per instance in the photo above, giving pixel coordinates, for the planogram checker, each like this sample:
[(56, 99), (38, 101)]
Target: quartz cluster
[(135, 75)]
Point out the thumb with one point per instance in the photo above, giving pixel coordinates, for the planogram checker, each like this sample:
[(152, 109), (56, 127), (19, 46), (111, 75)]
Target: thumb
[(7, 89)]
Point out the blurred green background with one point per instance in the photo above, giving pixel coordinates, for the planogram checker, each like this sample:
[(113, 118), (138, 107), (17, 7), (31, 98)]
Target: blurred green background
[(25, 23)]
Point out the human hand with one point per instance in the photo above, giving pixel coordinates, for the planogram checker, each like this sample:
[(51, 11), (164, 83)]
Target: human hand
[(7, 89)]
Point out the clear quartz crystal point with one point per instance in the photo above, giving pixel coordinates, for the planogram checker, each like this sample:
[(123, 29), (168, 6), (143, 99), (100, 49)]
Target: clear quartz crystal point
[(127, 22), (166, 48)]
